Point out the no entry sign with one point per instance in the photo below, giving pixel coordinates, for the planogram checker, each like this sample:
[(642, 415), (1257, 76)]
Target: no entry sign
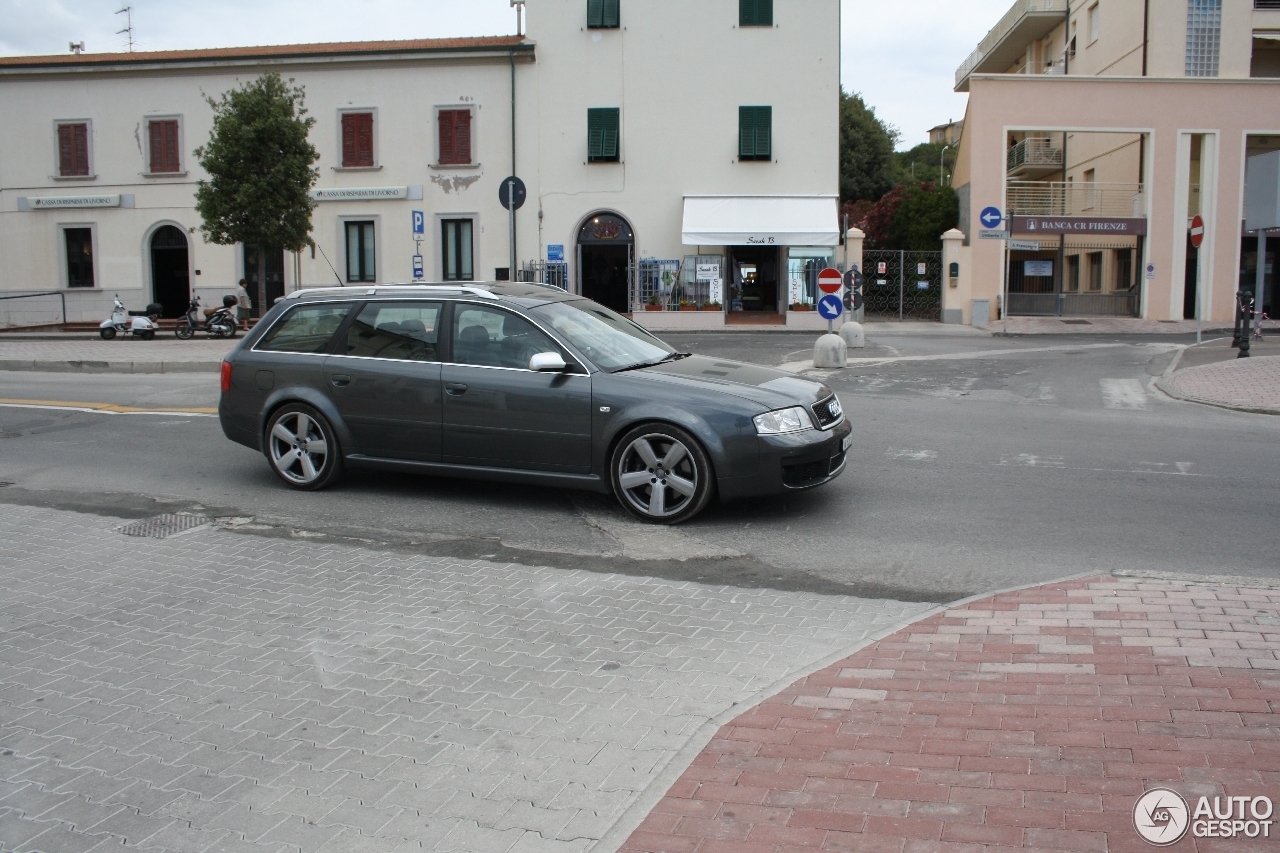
[(829, 280), (1197, 231)]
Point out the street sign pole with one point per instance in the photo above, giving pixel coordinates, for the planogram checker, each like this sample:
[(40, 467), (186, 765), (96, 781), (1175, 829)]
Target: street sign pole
[(1197, 237), (511, 225)]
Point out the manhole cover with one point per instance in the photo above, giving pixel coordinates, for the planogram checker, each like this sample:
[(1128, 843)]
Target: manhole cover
[(160, 526), (1077, 322)]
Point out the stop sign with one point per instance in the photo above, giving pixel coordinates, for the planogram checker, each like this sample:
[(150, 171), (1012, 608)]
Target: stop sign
[(1197, 231), (829, 280)]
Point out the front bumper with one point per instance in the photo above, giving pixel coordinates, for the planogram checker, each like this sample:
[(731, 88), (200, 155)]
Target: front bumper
[(793, 462)]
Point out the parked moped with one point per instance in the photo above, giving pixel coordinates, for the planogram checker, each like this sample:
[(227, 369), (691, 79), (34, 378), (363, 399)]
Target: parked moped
[(219, 323), (140, 324)]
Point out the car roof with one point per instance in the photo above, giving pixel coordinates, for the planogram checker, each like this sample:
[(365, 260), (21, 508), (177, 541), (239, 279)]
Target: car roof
[(526, 294)]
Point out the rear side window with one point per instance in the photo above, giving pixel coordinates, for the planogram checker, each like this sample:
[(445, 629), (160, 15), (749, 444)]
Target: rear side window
[(403, 331), (307, 328)]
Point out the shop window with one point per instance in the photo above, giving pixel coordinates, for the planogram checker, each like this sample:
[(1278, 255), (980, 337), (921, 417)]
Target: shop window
[(755, 133), (357, 140), (455, 137), (1073, 274), (361, 252), (73, 149), (79, 242), (602, 134), (457, 249), (1095, 271), (163, 135), (602, 14), (1124, 269), (755, 13)]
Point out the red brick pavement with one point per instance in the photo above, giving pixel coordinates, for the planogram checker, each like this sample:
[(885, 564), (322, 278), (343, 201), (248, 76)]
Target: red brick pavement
[(1028, 720)]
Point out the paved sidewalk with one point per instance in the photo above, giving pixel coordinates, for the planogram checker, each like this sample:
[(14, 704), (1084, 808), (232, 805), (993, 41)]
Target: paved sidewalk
[(1027, 720), (1249, 384), (232, 691), (123, 355), (1091, 325)]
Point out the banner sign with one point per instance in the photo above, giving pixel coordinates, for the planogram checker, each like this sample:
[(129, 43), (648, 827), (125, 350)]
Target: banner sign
[(360, 194), (72, 201), (1100, 226)]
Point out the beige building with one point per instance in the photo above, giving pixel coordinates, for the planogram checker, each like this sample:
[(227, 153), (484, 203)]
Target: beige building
[(1105, 126), (660, 166)]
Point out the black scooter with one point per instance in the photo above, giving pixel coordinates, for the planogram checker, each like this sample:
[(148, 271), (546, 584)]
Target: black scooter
[(219, 324)]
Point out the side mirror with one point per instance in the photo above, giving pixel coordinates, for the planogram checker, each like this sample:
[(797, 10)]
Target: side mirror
[(547, 361)]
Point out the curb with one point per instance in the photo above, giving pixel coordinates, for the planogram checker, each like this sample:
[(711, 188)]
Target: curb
[(111, 366), (1165, 384)]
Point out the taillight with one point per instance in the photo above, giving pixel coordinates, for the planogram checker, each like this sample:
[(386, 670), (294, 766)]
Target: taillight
[(226, 376)]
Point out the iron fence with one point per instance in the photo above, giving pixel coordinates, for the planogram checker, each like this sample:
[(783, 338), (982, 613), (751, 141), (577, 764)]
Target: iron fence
[(1124, 304), (554, 273), (1093, 280), (902, 285)]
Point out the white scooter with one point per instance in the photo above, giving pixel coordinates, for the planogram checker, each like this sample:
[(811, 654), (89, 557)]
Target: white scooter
[(140, 324)]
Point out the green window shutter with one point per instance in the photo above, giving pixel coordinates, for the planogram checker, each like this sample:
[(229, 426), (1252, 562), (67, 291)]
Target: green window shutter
[(764, 13), (755, 133), (602, 134), (595, 13), (755, 13), (610, 16)]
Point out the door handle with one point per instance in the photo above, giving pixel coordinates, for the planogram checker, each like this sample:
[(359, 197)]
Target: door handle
[(340, 379), (455, 388)]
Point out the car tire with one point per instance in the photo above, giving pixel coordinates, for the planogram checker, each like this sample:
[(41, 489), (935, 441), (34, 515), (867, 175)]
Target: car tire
[(661, 474), (302, 448)]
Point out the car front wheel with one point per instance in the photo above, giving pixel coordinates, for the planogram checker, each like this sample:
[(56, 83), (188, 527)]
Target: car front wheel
[(661, 474), (302, 447)]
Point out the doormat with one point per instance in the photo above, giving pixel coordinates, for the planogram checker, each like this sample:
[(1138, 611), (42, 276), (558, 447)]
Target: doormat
[(1076, 322)]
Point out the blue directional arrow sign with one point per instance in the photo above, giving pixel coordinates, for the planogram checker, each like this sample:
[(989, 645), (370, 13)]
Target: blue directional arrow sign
[(830, 307), (991, 217)]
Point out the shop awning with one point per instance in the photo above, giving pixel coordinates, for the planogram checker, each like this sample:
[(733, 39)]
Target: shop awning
[(760, 220)]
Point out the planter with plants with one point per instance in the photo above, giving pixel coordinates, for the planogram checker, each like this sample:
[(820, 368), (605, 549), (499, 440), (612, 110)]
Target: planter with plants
[(686, 305), (653, 304), (712, 306), (800, 306)]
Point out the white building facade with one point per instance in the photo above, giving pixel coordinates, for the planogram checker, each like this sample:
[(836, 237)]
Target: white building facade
[(672, 152)]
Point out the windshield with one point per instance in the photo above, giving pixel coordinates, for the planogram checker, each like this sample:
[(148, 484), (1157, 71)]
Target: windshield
[(610, 340)]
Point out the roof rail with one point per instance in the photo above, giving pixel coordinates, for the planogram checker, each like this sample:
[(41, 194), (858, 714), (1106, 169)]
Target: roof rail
[(373, 291)]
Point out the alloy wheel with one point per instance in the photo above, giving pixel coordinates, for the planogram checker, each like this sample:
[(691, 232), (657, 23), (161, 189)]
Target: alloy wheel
[(299, 448), (657, 475)]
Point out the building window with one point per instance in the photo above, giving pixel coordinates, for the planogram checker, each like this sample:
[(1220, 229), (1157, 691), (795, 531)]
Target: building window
[(755, 13), (1095, 271), (163, 135), (357, 140), (79, 256), (73, 149), (1124, 269), (755, 133), (602, 14), (456, 252), (1093, 23), (1204, 33), (1073, 273), (602, 135), (362, 262), (455, 137), (1090, 189)]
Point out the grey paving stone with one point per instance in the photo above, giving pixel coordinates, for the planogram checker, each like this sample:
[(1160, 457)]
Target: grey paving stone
[(201, 692)]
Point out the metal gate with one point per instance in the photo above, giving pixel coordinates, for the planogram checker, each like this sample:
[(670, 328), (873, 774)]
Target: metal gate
[(1091, 280), (902, 285)]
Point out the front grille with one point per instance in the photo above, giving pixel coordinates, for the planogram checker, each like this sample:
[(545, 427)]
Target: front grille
[(827, 411), (837, 461), (807, 472)]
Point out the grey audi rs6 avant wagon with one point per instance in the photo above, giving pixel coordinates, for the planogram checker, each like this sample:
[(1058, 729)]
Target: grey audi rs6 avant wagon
[(521, 383)]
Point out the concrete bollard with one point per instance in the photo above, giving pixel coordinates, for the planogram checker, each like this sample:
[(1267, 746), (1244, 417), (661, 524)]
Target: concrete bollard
[(853, 335), (830, 351)]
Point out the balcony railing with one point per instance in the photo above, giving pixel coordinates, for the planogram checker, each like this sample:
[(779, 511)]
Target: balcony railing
[(1016, 13), (1034, 151), (1055, 198)]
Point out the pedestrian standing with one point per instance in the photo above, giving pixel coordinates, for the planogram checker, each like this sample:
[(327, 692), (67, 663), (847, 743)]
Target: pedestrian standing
[(243, 304)]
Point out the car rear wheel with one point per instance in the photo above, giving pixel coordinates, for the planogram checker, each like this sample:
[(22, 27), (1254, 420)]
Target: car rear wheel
[(661, 474), (302, 447)]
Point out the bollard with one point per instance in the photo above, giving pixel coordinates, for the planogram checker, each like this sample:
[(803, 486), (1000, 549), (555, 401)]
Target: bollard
[(830, 351), (852, 335), (1246, 309), (1235, 334)]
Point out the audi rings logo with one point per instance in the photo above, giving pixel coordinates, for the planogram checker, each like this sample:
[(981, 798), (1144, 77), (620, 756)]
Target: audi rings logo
[(1161, 816)]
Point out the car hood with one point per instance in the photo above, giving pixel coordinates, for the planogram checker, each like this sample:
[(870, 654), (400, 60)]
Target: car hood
[(768, 386)]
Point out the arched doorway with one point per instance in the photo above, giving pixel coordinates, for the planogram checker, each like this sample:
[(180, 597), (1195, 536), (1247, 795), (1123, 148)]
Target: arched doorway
[(606, 248), (170, 275)]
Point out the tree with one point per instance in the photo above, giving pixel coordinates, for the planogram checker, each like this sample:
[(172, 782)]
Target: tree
[(912, 217), (926, 157), (260, 168), (866, 151)]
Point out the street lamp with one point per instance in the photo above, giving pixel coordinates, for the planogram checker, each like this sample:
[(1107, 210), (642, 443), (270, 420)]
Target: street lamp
[(941, 156)]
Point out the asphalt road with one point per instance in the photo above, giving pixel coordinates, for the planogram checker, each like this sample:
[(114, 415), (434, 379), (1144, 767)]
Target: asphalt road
[(979, 463)]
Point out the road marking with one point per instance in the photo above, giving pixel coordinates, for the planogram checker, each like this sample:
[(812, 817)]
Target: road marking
[(1031, 460), (1123, 394), (914, 455), (107, 408), (799, 366)]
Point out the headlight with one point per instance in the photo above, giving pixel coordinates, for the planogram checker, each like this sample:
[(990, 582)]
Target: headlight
[(783, 420)]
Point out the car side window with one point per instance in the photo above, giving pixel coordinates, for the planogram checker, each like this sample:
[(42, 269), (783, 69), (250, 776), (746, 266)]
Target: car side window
[(494, 338), (307, 328), (403, 331)]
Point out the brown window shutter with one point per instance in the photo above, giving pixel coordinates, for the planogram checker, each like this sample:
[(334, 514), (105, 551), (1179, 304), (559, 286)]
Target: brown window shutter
[(364, 140), (80, 144), (448, 152), (349, 139), (164, 146), (66, 150), (172, 162), (156, 132), (462, 144)]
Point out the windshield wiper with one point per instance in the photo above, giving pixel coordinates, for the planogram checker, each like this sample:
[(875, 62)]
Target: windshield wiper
[(671, 356)]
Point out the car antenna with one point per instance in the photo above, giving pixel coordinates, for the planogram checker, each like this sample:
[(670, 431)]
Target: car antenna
[(326, 260)]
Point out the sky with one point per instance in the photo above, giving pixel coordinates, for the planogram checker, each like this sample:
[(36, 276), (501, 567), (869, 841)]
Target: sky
[(900, 55)]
